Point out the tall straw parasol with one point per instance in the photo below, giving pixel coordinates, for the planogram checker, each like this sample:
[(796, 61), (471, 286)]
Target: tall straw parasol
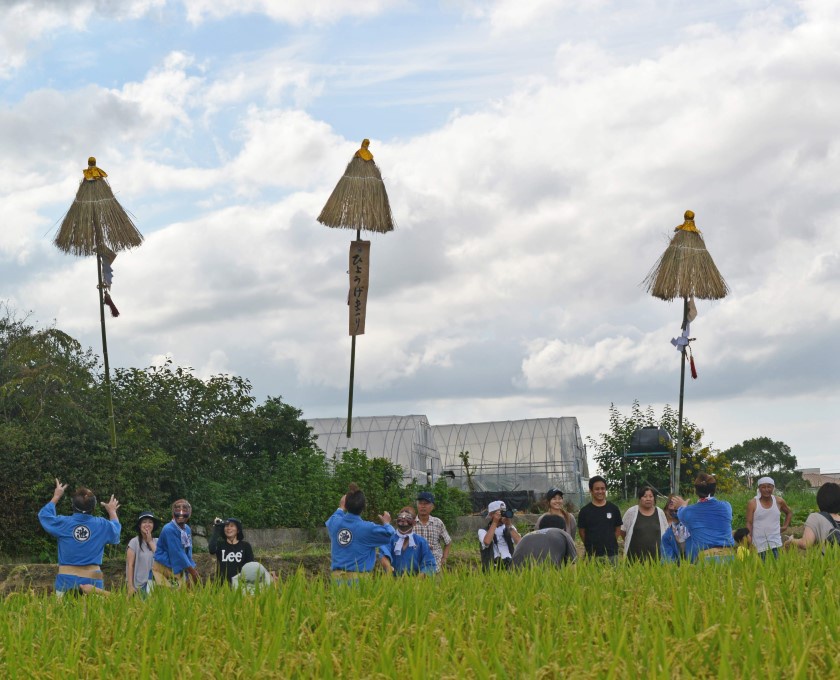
[(96, 224), (685, 270), (359, 201)]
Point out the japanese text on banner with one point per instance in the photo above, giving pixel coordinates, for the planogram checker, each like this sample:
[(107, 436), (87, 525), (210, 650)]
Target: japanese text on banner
[(359, 276)]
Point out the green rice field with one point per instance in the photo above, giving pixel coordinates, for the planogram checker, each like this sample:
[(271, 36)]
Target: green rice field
[(747, 619)]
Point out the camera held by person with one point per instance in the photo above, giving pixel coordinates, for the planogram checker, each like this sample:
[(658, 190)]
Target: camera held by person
[(498, 539)]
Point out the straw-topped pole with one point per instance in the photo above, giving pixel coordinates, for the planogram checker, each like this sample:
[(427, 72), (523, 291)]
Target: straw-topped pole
[(685, 270), (96, 224), (359, 201)]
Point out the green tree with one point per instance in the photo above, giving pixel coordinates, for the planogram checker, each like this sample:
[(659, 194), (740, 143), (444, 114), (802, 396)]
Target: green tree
[(380, 479), (761, 456), (53, 422), (696, 457), (177, 435)]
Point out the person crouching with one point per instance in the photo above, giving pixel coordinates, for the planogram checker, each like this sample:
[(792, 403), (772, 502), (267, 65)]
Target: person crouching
[(551, 543)]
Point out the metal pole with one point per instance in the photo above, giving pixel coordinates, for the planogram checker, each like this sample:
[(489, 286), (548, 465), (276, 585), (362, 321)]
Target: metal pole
[(680, 417), (111, 421)]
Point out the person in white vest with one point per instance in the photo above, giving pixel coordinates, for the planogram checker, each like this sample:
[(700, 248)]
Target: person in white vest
[(763, 518)]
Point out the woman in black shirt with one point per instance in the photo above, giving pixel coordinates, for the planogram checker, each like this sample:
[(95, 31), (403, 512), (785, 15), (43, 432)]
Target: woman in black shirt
[(231, 550)]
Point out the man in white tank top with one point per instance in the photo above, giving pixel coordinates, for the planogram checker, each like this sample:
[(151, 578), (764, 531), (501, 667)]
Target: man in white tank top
[(763, 514)]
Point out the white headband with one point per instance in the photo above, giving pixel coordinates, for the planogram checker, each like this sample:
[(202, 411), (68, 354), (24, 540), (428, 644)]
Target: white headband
[(763, 480)]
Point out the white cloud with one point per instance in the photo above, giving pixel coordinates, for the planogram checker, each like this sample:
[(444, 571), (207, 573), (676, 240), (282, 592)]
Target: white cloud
[(511, 286), (23, 23), (165, 94), (325, 11)]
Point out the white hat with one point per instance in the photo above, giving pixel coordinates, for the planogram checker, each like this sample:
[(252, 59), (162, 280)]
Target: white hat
[(252, 576), (496, 505)]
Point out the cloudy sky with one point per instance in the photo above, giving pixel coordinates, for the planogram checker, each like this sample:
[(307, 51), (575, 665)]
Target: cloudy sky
[(537, 155)]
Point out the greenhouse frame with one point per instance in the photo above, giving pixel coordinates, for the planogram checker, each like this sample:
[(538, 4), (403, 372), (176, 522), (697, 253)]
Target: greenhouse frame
[(406, 441), (505, 458)]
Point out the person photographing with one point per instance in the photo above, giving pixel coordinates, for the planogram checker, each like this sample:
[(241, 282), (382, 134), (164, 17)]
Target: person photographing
[(498, 540)]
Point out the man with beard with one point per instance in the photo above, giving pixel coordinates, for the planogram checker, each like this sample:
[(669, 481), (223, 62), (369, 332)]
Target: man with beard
[(408, 552), (174, 562)]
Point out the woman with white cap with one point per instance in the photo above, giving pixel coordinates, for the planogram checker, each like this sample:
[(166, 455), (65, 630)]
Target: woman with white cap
[(763, 515), (498, 540), (140, 554)]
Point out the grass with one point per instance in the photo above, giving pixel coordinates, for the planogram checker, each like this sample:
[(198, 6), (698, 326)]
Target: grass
[(746, 619)]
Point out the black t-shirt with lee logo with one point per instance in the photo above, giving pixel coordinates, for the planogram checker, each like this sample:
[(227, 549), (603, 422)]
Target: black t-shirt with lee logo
[(230, 557), (600, 523)]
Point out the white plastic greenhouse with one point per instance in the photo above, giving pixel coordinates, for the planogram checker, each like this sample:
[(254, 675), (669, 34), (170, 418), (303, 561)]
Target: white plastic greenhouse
[(504, 456), (404, 440), (516, 455)]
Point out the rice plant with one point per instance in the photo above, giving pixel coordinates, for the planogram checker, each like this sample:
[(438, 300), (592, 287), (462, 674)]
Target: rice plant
[(778, 618)]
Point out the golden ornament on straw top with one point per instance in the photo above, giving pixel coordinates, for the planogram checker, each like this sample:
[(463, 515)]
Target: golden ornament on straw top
[(359, 200), (96, 218), (686, 268)]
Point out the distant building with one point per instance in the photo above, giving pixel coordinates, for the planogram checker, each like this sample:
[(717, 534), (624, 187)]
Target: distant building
[(816, 479)]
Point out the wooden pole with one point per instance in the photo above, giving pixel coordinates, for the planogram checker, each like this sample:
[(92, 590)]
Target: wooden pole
[(97, 235), (676, 482), (352, 368), (111, 421), (350, 397)]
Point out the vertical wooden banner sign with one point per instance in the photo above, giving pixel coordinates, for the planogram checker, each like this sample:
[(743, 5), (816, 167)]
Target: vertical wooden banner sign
[(359, 277), (359, 201)]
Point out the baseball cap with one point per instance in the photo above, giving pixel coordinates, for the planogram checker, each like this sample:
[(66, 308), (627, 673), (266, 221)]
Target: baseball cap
[(496, 505), (425, 496)]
